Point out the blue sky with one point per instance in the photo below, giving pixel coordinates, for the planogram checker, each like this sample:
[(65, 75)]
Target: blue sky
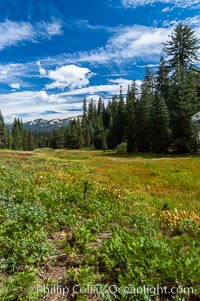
[(55, 52)]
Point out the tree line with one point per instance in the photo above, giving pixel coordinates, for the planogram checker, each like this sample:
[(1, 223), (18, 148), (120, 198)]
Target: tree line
[(156, 117)]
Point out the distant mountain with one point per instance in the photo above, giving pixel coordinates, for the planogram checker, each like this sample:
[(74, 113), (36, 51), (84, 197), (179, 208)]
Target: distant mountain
[(45, 125)]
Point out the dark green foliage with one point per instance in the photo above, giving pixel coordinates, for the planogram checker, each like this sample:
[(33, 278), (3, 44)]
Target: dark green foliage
[(182, 47), (183, 99), (8, 139), (131, 110), (30, 141), (21, 139), (17, 134), (2, 132), (144, 114)]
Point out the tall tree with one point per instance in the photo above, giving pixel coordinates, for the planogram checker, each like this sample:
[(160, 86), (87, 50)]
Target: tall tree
[(163, 81), (17, 134), (2, 132), (131, 107), (182, 47), (144, 113), (8, 139), (182, 51)]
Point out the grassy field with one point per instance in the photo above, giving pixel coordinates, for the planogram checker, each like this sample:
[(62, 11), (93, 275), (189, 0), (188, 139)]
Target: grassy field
[(88, 225)]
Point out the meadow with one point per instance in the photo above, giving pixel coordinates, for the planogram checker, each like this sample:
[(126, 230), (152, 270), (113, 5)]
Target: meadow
[(93, 225)]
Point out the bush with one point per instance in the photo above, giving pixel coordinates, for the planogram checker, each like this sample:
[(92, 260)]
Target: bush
[(121, 148)]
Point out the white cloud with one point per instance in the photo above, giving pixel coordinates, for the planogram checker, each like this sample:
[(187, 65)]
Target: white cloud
[(177, 3), (130, 43), (11, 33), (127, 45), (38, 104), (15, 86), (108, 90), (12, 73), (149, 65), (53, 28), (42, 72), (31, 104), (120, 81), (70, 76), (14, 33)]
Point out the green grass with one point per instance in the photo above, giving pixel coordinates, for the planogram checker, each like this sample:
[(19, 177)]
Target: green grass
[(92, 218)]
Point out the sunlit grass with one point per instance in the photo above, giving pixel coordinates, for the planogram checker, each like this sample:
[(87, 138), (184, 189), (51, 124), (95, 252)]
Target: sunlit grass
[(96, 208)]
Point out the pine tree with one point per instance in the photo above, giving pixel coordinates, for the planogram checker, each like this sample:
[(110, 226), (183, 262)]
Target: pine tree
[(30, 141), (183, 105), (183, 99), (182, 47), (131, 103), (163, 80), (17, 135), (160, 126), (8, 139), (144, 114), (104, 145), (85, 126), (2, 132)]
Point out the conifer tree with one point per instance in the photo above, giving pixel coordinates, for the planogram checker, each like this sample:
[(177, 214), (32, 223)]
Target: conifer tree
[(131, 103), (144, 114), (2, 132), (160, 126), (8, 139), (85, 126), (163, 80), (30, 141), (182, 50), (182, 47), (104, 145), (17, 135)]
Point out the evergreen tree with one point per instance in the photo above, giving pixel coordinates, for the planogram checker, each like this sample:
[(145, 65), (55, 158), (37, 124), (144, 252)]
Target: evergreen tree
[(30, 141), (104, 145), (183, 94), (131, 103), (8, 139), (183, 105), (17, 135), (160, 126), (182, 47), (85, 126), (25, 140), (144, 118), (2, 132), (163, 81)]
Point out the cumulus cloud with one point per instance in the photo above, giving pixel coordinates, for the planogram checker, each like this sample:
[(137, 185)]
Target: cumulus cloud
[(15, 86), (14, 33), (42, 71), (70, 76)]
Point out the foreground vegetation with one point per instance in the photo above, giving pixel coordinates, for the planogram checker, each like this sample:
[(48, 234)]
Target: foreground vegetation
[(92, 219)]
